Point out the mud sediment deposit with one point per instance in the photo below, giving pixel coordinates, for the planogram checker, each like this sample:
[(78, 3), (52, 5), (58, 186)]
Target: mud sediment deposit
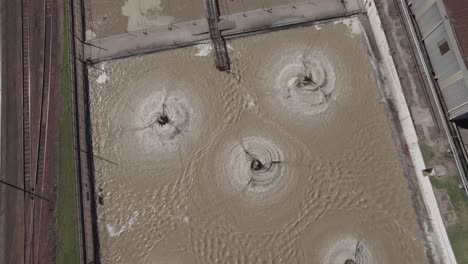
[(289, 159), (110, 17)]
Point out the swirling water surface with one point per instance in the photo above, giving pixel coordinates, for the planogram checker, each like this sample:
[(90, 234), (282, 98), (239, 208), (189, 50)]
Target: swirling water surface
[(289, 159)]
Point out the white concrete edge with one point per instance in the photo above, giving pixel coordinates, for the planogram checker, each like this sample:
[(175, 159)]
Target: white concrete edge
[(387, 66)]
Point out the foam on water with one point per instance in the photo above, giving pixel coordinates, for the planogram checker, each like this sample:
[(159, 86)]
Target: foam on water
[(306, 82), (353, 24), (205, 49), (90, 34), (254, 165), (348, 250), (102, 77), (115, 230)]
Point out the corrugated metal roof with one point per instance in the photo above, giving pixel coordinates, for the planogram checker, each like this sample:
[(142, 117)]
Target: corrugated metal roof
[(447, 70), (441, 47), (458, 98), (429, 19), (417, 4), (458, 15), (444, 65)]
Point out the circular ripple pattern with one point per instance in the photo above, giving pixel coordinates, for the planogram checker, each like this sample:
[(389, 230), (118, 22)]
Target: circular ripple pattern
[(255, 168), (348, 251), (306, 83), (258, 164), (350, 235), (230, 168), (163, 118)]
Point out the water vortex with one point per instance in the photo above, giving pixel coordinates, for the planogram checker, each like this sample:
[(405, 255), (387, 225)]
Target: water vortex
[(258, 163), (164, 118), (348, 251), (306, 83)]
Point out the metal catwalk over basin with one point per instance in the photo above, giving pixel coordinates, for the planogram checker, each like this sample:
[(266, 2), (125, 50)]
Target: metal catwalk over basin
[(219, 45), (190, 33)]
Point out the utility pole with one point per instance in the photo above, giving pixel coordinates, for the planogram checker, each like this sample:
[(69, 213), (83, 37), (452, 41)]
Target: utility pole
[(23, 190)]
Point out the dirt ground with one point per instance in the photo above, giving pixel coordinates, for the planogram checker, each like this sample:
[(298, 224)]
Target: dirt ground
[(11, 200)]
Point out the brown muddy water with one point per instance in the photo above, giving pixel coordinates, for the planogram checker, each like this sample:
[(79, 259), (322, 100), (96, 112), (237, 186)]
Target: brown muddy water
[(288, 160)]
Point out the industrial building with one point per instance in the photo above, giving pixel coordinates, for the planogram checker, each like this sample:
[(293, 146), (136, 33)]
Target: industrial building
[(443, 31)]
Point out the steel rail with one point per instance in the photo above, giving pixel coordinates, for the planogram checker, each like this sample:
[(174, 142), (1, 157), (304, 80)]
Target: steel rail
[(44, 119), (26, 118)]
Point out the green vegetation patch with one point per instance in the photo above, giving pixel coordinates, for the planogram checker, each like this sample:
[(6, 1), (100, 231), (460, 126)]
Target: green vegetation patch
[(427, 153), (68, 246), (458, 233)]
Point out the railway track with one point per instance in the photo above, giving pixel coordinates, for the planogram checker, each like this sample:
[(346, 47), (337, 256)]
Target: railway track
[(34, 153), (41, 170), (26, 116)]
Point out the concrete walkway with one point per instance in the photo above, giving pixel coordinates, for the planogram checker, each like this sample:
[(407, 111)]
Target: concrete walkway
[(189, 33)]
